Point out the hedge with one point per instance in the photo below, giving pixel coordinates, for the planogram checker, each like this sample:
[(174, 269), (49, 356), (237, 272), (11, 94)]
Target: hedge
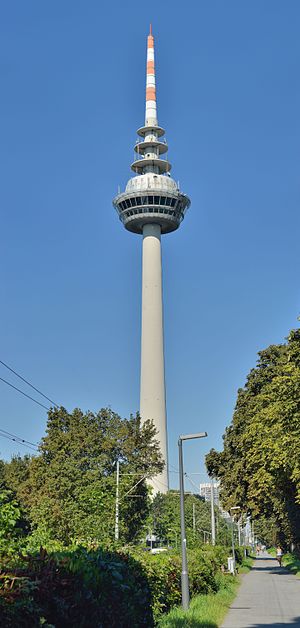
[(100, 588)]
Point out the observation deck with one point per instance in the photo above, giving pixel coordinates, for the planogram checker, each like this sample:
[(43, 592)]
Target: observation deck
[(152, 206)]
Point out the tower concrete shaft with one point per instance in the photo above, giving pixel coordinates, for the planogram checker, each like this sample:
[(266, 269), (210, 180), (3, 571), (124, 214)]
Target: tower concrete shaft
[(153, 398), (151, 205)]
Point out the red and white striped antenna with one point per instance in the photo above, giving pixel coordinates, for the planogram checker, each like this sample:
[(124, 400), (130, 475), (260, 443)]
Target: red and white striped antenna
[(151, 110)]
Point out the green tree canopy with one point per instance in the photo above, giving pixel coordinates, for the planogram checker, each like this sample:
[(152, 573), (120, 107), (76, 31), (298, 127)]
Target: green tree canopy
[(69, 488), (164, 520), (259, 466)]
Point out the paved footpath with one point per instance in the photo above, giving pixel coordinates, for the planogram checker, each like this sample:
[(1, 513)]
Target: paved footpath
[(268, 596)]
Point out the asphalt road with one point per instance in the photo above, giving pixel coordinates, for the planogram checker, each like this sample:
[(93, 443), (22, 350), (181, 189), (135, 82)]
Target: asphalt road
[(268, 596)]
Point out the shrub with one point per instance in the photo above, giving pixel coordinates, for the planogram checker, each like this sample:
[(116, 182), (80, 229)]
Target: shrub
[(239, 554), (100, 588), (163, 573), (78, 588)]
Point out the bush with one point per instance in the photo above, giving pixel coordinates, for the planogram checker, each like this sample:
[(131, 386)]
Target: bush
[(163, 573), (239, 555), (100, 588), (78, 588)]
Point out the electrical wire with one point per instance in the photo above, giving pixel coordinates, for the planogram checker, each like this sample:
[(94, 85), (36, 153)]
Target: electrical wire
[(161, 483), (18, 440), (23, 393), (28, 383), (192, 482), (131, 489), (22, 439)]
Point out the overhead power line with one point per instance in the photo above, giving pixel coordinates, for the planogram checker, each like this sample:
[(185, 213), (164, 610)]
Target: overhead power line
[(17, 439), (29, 384), (24, 393), (192, 482)]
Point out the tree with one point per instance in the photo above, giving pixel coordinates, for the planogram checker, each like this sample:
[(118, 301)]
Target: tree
[(10, 514), (69, 488), (164, 519), (259, 466)]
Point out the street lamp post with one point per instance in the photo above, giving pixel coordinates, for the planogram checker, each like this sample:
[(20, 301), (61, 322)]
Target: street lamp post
[(185, 594), (232, 535)]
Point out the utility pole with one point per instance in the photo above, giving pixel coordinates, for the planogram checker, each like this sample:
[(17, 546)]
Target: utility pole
[(194, 521), (239, 531), (117, 503), (213, 526)]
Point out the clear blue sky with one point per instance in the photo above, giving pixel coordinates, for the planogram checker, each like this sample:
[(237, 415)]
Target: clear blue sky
[(72, 84)]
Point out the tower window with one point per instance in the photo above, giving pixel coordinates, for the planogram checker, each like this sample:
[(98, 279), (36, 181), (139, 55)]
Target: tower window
[(156, 200)]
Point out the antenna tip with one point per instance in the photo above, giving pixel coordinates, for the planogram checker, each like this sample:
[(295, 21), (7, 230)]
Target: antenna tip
[(150, 33)]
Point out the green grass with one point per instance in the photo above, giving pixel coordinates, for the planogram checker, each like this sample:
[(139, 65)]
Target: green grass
[(207, 611), (290, 561), (247, 564)]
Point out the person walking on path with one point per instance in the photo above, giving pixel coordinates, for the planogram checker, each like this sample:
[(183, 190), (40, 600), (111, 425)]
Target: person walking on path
[(268, 596), (279, 555)]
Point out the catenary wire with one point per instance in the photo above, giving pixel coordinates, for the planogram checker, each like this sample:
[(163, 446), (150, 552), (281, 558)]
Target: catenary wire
[(24, 393), (19, 437), (19, 441), (29, 384), (131, 489), (192, 482)]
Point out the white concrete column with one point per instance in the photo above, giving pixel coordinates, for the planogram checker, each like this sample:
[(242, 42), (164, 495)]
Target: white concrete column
[(152, 399)]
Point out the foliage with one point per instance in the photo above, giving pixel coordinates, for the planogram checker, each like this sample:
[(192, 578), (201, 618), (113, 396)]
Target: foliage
[(74, 589), (266, 530), (164, 574), (208, 610), (259, 466), (10, 514), (68, 490), (100, 588), (164, 520), (292, 562)]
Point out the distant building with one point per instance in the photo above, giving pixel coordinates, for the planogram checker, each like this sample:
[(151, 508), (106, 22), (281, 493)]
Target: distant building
[(205, 491)]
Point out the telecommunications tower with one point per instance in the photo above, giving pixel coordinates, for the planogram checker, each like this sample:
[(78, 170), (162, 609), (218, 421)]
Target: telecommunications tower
[(152, 205)]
